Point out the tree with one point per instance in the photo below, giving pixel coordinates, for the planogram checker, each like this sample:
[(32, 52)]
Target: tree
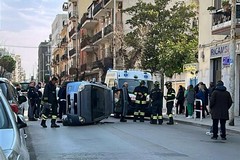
[(8, 64), (162, 37)]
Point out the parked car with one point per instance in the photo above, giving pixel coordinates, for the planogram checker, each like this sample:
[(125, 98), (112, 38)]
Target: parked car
[(12, 137), (11, 94)]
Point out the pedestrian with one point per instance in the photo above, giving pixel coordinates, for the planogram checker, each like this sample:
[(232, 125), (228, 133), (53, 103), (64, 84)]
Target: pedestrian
[(220, 103), (190, 97), (125, 101), (141, 93), (156, 96), (39, 91), (180, 100), (49, 101), (201, 96), (206, 92), (32, 101), (169, 101), (62, 96)]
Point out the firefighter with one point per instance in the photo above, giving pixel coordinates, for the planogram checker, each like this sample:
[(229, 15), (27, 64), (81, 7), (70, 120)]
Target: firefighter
[(170, 101), (49, 100), (156, 96), (141, 93)]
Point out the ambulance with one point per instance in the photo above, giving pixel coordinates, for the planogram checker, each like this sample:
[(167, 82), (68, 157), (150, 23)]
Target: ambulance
[(116, 78)]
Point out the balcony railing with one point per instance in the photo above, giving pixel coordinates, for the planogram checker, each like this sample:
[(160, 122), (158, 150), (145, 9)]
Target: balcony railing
[(98, 7), (84, 18), (108, 29), (64, 57), (83, 67), (72, 52), (72, 32), (97, 64), (97, 36), (221, 21), (86, 41), (72, 15), (105, 2), (64, 41)]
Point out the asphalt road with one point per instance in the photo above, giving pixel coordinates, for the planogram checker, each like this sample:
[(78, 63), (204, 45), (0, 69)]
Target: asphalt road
[(112, 140)]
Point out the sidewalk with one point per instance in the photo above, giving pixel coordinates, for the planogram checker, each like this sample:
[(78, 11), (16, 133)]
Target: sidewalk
[(207, 122)]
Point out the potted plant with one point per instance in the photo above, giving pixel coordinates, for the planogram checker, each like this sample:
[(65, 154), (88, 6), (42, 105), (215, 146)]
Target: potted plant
[(212, 9), (226, 5)]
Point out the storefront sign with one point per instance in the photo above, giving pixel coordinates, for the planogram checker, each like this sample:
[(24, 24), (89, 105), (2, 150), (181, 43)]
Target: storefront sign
[(220, 50), (190, 67), (226, 60)]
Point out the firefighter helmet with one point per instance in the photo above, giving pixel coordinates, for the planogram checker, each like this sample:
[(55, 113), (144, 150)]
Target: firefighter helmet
[(142, 82), (156, 83), (168, 83)]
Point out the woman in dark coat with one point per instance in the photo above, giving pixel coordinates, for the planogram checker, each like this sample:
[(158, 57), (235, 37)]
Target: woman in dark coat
[(220, 102)]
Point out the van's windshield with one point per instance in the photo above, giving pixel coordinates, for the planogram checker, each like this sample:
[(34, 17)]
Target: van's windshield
[(132, 83)]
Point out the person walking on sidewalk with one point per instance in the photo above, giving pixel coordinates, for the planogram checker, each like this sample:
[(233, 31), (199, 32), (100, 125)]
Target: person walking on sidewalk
[(50, 102), (190, 97), (220, 103)]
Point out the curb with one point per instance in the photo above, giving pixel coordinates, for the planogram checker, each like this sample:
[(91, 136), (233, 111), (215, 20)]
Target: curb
[(203, 125)]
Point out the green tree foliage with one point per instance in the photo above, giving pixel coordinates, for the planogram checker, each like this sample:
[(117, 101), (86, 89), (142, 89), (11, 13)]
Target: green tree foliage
[(162, 37), (8, 64)]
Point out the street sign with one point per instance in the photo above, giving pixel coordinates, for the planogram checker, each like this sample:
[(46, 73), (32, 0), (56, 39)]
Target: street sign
[(190, 67)]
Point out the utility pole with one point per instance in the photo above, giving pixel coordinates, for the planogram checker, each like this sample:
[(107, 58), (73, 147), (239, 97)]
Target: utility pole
[(232, 78), (114, 34)]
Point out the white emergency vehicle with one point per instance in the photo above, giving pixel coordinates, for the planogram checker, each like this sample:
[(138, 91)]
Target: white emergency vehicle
[(116, 79)]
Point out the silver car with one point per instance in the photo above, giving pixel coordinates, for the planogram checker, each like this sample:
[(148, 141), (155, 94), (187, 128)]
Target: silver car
[(12, 138)]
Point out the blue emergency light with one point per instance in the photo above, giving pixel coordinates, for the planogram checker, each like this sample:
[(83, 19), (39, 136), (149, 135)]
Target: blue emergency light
[(125, 74), (145, 76)]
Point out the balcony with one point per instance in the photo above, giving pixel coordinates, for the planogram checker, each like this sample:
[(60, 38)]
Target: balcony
[(97, 64), (72, 33), (97, 10), (72, 52), (86, 44), (65, 6), (107, 33), (96, 38), (221, 22), (64, 57), (72, 15), (108, 63), (63, 73), (105, 6), (64, 41), (88, 22)]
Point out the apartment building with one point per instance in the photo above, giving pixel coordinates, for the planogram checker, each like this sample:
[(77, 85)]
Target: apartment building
[(57, 45), (214, 46), (44, 61), (18, 74)]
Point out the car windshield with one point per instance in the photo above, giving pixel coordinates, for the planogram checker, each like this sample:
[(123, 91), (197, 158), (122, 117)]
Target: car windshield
[(132, 83), (4, 120)]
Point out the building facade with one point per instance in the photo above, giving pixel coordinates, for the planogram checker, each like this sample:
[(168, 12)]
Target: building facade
[(44, 61), (214, 46)]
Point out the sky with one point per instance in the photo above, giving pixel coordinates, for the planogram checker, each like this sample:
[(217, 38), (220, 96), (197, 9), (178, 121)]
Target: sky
[(24, 24)]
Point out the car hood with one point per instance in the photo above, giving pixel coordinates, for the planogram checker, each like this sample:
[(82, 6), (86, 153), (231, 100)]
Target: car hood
[(6, 138)]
